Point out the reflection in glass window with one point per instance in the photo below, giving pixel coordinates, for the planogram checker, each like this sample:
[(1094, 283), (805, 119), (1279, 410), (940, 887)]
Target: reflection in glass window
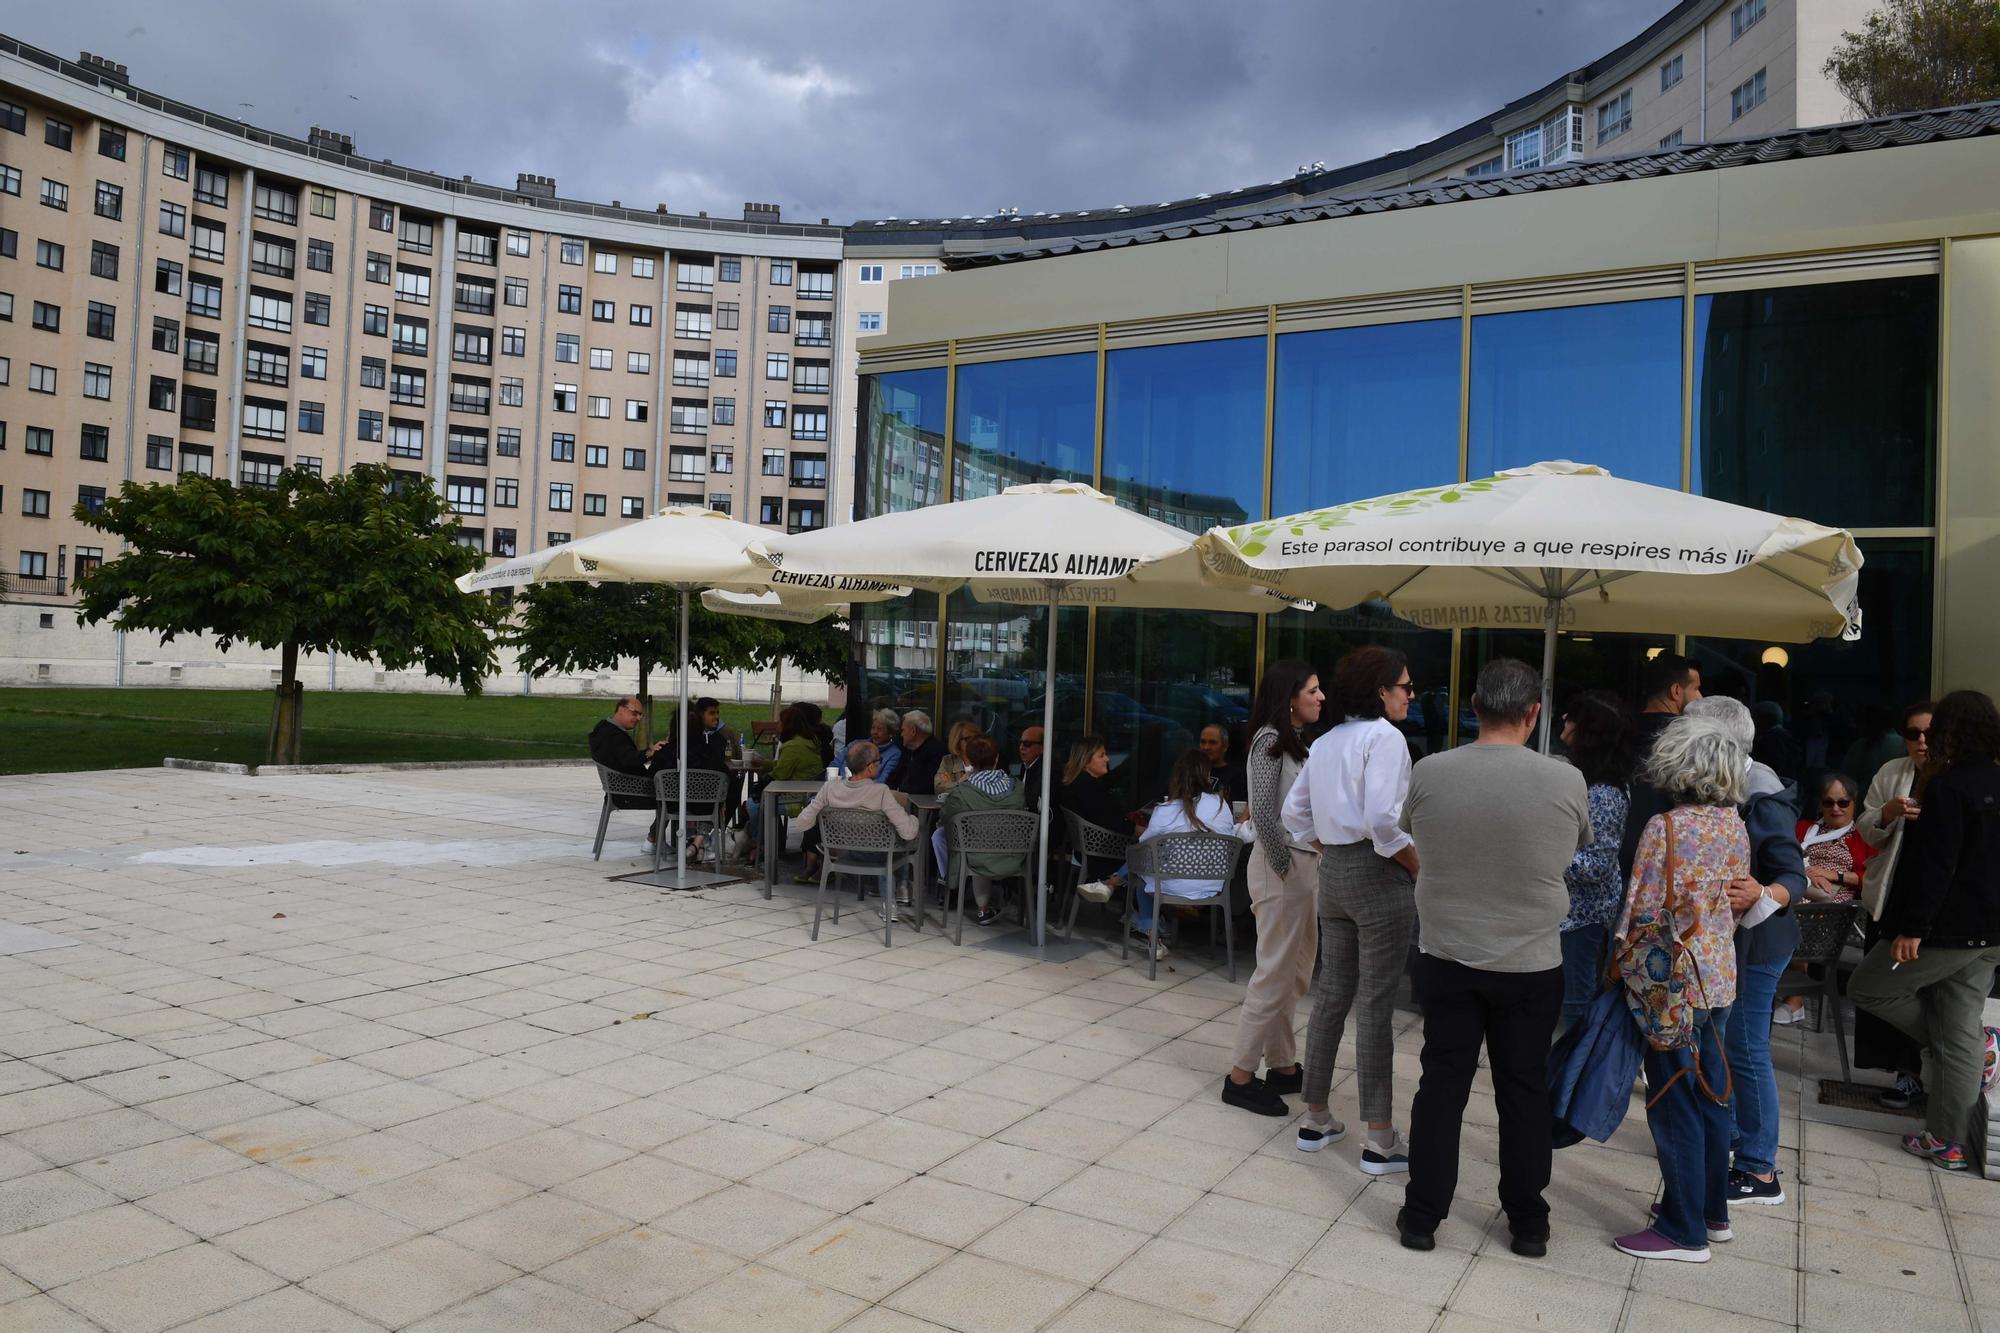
[(1184, 431), (1363, 412), (1597, 384), (902, 440), (1024, 421), (1321, 638), (997, 658), (1161, 677), (1790, 379)]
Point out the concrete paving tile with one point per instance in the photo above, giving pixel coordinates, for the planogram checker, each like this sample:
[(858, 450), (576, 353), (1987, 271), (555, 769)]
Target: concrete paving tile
[(828, 1178), (1171, 1157), (858, 1258), (910, 1144), (1187, 1278), (1123, 1198), (88, 1243), (536, 1231), (465, 1130), (642, 1269), (1651, 1310), (289, 1309), (47, 1196), (1304, 1301), (244, 1197), (225, 1104), (41, 1314), (1064, 1245), (167, 1289), (736, 1151), (1252, 1230), (550, 1157), (349, 1165), (743, 1220), (939, 1210), (1838, 1305), (1890, 1219), (528, 1303), (761, 1298), (283, 1133), (1101, 1312), (154, 1082), (402, 1284), (985, 1296), (103, 1134), (297, 1244)]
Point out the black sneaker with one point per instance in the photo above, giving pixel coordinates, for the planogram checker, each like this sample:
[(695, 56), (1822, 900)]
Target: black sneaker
[(986, 916), (1291, 1084), (1530, 1244), (1746, 1188), (1253, 1096), (1906, 1093), (1386, 1161), (1411, 1238)]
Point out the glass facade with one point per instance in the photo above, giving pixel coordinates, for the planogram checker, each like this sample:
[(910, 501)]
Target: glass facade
[(1816, 400)]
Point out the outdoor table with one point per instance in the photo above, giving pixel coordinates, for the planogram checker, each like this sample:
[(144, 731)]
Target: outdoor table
[(772, 791), (926, 808)]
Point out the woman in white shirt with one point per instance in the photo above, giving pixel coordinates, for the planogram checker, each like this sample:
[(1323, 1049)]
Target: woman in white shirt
[(1191, 807), (1348, 801)]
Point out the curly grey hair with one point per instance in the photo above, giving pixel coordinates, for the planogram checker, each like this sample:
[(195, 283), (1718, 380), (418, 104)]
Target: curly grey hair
[(1731, 713), (1697, 761), (887, 717)]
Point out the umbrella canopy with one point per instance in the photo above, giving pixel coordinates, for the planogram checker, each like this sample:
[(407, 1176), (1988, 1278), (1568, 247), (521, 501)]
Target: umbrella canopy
[(770, 606)]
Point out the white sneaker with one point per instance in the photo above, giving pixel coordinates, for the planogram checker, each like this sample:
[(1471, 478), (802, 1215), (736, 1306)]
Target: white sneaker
[(1785, 1016), (1097, 891), (1141, 941), (650, 846)]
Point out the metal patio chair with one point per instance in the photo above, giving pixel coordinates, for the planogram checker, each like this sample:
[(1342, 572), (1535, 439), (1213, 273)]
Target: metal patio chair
[(1823, 930), (706, 792), (987, 833), (861, 844), (617, 785), (1088, 842), (1206, 856)]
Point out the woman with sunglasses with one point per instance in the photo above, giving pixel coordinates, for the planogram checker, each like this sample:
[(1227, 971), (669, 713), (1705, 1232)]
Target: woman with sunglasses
[(1836, 855), (1888, 810)]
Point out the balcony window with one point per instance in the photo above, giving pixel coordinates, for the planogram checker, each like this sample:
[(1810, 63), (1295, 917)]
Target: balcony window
[(275, 202), (261, 471), (465, 495), (415, 236), (406, 438), (809, 470)]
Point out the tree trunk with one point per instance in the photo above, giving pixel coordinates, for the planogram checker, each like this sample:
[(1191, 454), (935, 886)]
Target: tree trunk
[(777, 688), (282, 746), (645, 706)]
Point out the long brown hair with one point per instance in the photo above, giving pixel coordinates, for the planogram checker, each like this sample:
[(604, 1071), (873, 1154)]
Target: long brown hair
[(1188, 782), (1080, 751), (1283, 681)]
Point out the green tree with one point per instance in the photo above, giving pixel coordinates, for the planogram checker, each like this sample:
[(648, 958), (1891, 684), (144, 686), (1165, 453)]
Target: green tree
[(362, 563), (1914, 54), (594, 627)]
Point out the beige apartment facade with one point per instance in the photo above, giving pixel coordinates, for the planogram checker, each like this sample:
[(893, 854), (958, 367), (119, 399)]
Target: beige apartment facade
[(190, 294)]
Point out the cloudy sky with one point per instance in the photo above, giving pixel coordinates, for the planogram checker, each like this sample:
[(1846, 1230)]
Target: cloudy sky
[(863, 109)]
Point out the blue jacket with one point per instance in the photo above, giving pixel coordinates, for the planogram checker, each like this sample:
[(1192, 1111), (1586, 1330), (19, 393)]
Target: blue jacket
[(1591, 1070), (1771, 817)]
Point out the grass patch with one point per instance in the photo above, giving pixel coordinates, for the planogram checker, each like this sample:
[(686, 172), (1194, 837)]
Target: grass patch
[(55, 730)]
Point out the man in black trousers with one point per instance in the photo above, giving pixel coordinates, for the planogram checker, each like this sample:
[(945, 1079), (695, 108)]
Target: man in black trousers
[(611, 745)]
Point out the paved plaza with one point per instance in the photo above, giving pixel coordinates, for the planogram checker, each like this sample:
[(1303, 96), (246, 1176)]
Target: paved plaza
[(388, 1050)]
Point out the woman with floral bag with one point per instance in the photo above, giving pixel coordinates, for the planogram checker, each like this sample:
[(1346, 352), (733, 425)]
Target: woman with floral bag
[(1674, 952)]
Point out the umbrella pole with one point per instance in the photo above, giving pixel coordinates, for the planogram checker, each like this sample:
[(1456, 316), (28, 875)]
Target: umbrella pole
[(681, 735), (1048, 752), (1551, 612)]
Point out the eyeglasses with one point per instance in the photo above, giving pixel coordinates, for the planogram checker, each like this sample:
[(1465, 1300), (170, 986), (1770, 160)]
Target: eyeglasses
[(1916, 733), (1405, 686), (1834, 803), (1030, 745)]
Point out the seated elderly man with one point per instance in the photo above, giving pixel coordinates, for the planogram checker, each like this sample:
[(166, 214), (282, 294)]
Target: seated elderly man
[(883, 727), (611, 745), (860, 790), (922, 753)]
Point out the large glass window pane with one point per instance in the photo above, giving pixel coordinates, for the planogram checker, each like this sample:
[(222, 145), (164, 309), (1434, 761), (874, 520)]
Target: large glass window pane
[(1829, 689), (1364, 411), (1613, 662), (896, 643), (901, 461), (1821, 401), (1321, 638), (1023, 421), (1161, 677), (995, 660), (1184, 431), (1596, 384)]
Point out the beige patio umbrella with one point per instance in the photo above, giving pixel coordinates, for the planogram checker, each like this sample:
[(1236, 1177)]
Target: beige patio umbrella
[(690, 550), (1050, 544), (1561, 545)]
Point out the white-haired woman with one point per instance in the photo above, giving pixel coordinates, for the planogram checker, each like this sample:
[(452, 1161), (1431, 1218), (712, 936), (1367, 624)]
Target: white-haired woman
[(1678, 910)]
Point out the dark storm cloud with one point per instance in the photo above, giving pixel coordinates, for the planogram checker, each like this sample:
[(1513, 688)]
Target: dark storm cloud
[(868, 109)]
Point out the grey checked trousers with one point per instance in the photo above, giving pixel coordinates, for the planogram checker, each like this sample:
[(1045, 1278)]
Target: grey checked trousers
[(1367, 908)]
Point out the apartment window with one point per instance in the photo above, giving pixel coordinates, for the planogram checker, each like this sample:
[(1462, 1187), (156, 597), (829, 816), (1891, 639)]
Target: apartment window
[(375, 320), (41, 441), (211, 187), (774, 462), (722, 411), (100, 320), (513, 342), (1614, 117), (264, 418), (159, 453), (1672, 72), (173, 220), (109, 201), (470, 395), (561, 498), (319, 256), (691, 369), (48, 254), (635, 460), (688, 418), (512, 392), (572, 250), (777, 365), (816, 284), (728, 315), (809, 423), (558, 538), (14, 117), (1673, 140), (781, 272), (322, 202), (209, 240), (379, 267), (809, 471), (770, 509), (507, 442), (261, 470), (166, 334), (465, 495), (415, 236), (515, 291), (6, 378), (774, 413), (870, 321), (94, 442), (276, 202), (631, 506), (270, 310), (368, 427), (264, 363), (638, 363), (564, 397), (46, 317), (519, 243), (312, 418), (721, 461), (205, 296), (90, 498), (918, 271), (814, 331), (597, 455), (730, 269), (685, 464), (503, 541), (10, 241), (1747, 94), (111, 142), (641, 315), (272, 254), (41, 379), (55, 195), (562, 448), (725, 362), (96, 380), (600, 406), (478, 247), (308, 463), (569, 348), (506, 493), (693, 321), (604, 312), (778, 319), (473, 295), (1745, 17), (413, 284), (807, 515), (407, 386), (637, 409), (471, 344), (412, 336), (812, 377), (374, 372), (406, 438), (604, 262), (642, 267), (34, 504), (174, 163), (871, 273), (56, 133), (593, 504), (204, 352), (34, 564), (569, 300), (698, 275), (161, 393)]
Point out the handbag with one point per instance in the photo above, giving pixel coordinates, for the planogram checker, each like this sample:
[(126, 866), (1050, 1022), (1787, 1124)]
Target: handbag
[(1661, 993)]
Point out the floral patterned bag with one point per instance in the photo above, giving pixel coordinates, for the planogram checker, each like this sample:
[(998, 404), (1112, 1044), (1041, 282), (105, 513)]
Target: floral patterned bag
[(1658, 968)]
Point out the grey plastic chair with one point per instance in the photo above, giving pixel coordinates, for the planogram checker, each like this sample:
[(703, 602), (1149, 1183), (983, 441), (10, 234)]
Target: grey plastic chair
[(618, 784), (1823, 930), (707, 790), (1209, 856), (1090, 842), (986, 833), (864, 844)]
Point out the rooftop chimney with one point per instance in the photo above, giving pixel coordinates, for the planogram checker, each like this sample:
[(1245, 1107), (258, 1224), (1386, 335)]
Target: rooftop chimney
[(760, 212), (541, 187), (106, 69), (331, 140)]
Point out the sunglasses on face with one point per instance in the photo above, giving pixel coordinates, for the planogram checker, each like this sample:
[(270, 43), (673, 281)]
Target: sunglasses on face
[(1405, 686), (1916, 733), (1834, 803)]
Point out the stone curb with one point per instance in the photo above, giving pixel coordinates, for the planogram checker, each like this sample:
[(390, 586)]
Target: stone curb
[(294, 770)]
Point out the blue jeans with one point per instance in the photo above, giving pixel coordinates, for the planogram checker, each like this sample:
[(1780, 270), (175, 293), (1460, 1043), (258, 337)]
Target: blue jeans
[(1691, 1130), (1748, 1042), (1583, 970)]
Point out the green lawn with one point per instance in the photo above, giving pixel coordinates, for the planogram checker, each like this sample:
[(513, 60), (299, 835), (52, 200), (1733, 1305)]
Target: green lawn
[(65, 730)]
